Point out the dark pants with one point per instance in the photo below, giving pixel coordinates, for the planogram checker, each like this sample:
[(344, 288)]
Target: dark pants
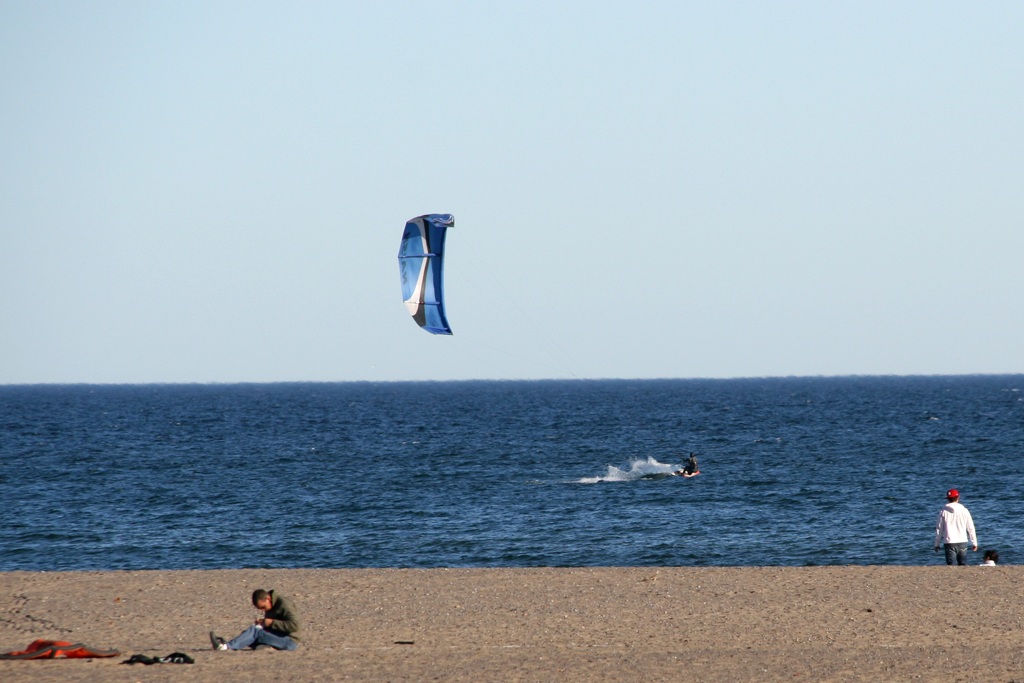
[(956, 550)]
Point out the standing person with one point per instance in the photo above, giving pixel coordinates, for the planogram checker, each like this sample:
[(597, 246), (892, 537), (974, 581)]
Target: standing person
[(279, 627), (953, 528)]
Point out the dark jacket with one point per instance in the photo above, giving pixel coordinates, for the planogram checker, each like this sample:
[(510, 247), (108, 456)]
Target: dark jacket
[(285, 616)]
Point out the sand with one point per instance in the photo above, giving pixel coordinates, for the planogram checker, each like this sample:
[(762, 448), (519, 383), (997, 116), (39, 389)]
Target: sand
[(565, 624)]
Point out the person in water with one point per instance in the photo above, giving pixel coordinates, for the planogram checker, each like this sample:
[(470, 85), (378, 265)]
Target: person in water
[(689, 467)]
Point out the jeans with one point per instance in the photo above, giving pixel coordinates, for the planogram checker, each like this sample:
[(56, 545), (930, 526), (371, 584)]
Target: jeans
[(254, 635), (957, 551)]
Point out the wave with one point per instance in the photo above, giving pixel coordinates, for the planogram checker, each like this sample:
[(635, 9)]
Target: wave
[(638, 469)]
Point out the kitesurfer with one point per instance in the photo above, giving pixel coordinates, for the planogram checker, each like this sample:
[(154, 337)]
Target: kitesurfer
[(279, 627), (689, 468)]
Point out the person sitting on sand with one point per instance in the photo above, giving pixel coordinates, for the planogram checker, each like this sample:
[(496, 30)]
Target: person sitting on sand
[(991, 557), (279, 627)]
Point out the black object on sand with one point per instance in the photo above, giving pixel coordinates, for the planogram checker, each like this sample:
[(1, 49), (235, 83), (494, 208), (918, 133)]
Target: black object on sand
[(173, 658)]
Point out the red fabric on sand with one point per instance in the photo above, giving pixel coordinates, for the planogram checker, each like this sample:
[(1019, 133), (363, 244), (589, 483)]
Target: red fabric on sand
[(49, 649)]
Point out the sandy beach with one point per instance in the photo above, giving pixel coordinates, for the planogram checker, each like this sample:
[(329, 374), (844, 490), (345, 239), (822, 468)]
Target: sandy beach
[(546, 624)]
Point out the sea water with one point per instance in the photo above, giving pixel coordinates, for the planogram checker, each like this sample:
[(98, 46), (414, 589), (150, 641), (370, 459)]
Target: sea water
[(794, 471)]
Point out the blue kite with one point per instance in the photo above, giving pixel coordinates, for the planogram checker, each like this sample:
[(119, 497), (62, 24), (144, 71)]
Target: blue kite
[(421, 262)]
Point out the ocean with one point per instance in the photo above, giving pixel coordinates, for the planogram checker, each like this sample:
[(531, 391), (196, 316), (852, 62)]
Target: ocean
[(794, 471)]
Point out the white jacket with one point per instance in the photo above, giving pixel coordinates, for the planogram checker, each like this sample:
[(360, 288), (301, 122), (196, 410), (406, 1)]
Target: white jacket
[(954, 525)]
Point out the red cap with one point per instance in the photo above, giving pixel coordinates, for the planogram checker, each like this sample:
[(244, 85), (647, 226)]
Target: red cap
[(952, 493)]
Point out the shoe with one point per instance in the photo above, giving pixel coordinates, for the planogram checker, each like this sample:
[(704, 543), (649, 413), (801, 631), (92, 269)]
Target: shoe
[(217, 642)]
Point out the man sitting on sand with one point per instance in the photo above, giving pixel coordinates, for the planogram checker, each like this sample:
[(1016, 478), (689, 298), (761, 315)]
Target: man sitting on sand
[(279, 627)]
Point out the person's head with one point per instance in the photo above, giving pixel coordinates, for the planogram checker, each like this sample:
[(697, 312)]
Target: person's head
[(261, 599), (952, 495), (991, 555)]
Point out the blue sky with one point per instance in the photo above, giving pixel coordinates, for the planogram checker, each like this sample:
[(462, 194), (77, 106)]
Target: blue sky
[(214, 192)]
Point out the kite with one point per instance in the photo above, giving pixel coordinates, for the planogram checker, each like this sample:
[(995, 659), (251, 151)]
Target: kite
[(420, 263), (51, 649)]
